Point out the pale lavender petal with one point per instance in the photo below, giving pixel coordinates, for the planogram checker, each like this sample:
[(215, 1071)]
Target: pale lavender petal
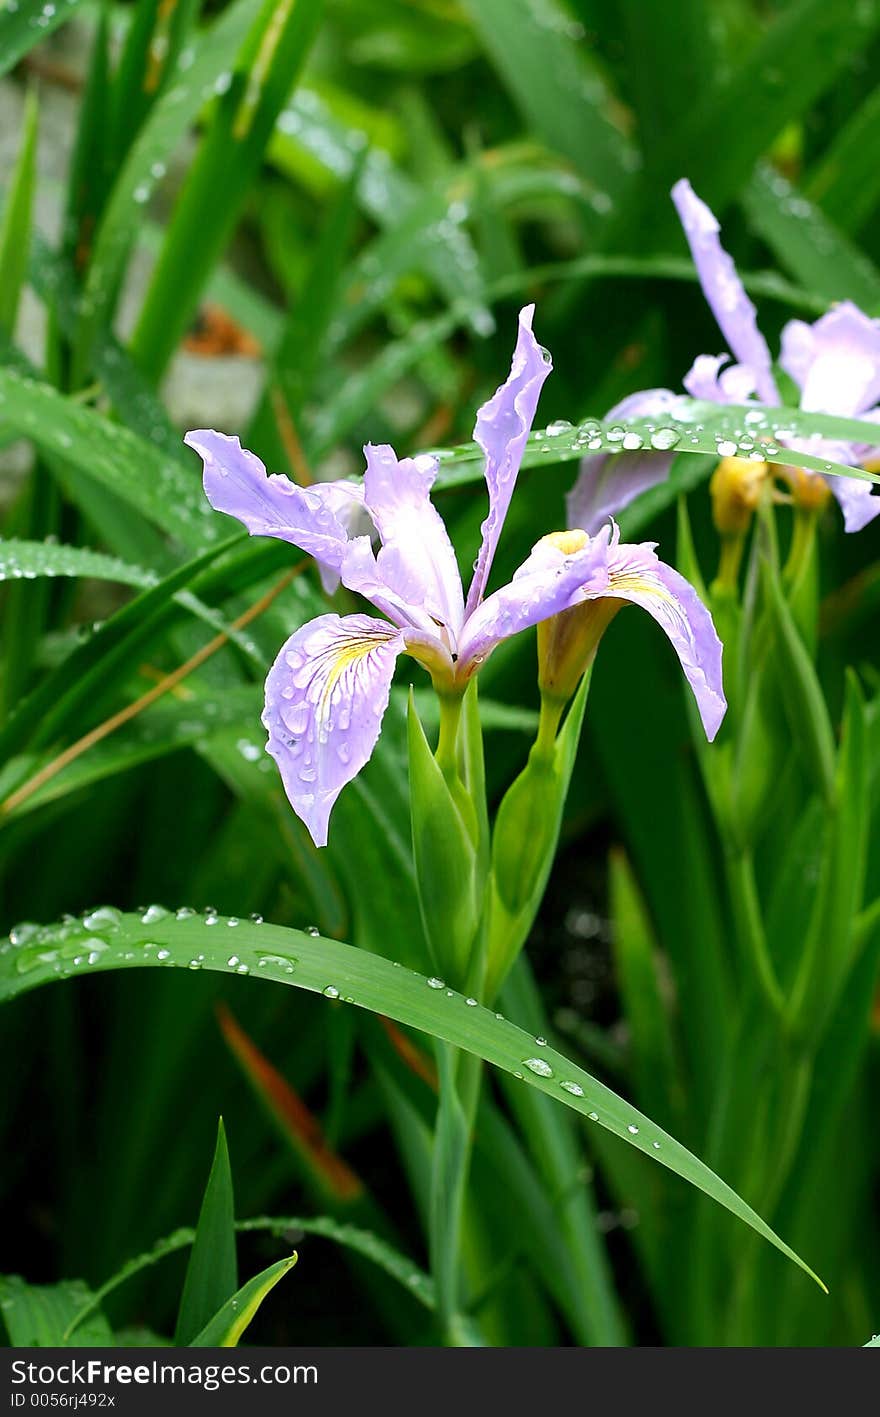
[(326, 694), (636, 574), (607, 482), (416, 561), (732, 308), (550, 580), (501, 430), (236, 482), (858, 501), (346, 500), (835, 362), (360, 572), (709, 379)]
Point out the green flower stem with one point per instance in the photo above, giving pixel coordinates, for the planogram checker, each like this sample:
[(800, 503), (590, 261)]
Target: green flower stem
[(729, 561), (802, 540), (544, 747), (460, 1078), (750, 930), (447, 744)]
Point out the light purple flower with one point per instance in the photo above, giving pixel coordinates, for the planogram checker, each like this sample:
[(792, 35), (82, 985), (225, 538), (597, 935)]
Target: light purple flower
[(328, 689), (835, 363)]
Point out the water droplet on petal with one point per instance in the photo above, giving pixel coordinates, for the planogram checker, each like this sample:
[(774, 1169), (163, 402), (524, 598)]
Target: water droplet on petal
[(573, 1087), (538, 1066), (330, 991)]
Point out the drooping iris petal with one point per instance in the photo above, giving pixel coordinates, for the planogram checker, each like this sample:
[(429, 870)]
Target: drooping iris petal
[(607, 482), (723, 289), (326, 695), (416, 561), (236, 482), (835, 361), (858, 500), (708, 379), (636, 574), (546, 583), (501, 430)]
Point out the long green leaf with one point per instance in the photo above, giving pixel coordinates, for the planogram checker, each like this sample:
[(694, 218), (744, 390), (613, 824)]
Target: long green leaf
[(26, 560), (27, 24), (221, 177), (229, 1323), (201, 67), (15, 228), (804, 240), (154, 485), (728, 430), (38, 1315), (107, 939), (212, 1272)]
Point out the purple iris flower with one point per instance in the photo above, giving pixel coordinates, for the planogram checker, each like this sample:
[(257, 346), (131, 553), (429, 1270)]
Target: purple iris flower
[(835, 363), (329, 687)]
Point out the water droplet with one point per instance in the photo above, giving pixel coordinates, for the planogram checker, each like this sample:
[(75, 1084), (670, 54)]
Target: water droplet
[(538, 1066), (233, 961), (541, 1042), (232, 921), (21, 934), (153, 914), (471, 1002), (104, 917), (632, 442), (634, 1131), (557, 428), (726, 448), (573, 1087), (434, 983), (664, 438), (286, 962), (163, 954), (313, 931), (330, 992), (593, 1116), (185, 912), (256, 919), (655, 1145)]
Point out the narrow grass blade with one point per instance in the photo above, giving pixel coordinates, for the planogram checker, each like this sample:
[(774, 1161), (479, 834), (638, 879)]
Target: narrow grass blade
[(212, 1273), (28, 560), (15, 227), (227, 1326), (27, 25)]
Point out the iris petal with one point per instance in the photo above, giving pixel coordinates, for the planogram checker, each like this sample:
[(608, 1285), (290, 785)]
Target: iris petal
[(723, 289), (501, 430), (326, 695)]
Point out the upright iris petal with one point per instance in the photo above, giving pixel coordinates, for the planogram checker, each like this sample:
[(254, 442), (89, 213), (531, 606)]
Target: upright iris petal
[(416, 559), (501, 430), (723, 289)]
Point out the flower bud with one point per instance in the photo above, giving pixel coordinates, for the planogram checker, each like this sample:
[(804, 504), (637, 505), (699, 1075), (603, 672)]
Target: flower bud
[(567, 645), (735, 490), (808, 489), (446, 859)]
